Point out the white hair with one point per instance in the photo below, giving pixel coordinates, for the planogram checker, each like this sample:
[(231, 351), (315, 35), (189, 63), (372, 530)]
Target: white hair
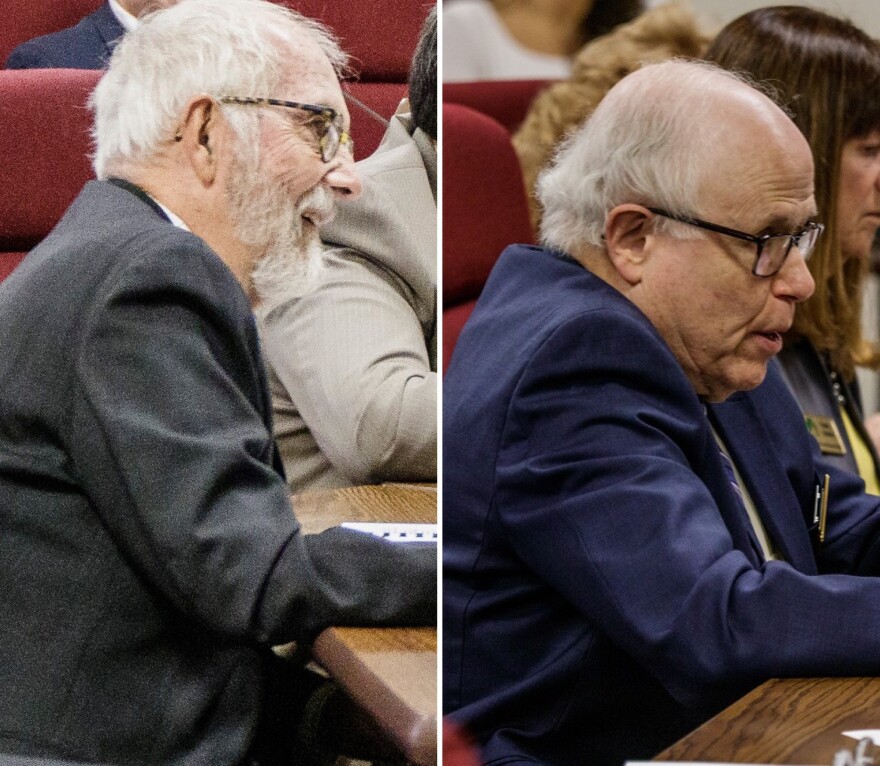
[(210, 47), (651, 141)]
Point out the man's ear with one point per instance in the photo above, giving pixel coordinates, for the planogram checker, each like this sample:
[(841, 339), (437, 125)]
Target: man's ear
[(200, 134), (627, 231)]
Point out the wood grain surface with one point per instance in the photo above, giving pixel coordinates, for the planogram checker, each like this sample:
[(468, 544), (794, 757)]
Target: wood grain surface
[(322, 509), (390, 672), (786, 721)]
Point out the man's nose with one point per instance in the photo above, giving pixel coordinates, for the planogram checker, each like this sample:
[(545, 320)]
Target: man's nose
[(343, 177), (794, 281)]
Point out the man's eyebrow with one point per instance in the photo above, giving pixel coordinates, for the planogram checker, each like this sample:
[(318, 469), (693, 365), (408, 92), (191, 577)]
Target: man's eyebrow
[(786, 224)]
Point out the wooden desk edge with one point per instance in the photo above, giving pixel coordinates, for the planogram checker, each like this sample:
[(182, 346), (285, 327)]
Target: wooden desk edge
[(819, 709), (674, 751), (415, 734)]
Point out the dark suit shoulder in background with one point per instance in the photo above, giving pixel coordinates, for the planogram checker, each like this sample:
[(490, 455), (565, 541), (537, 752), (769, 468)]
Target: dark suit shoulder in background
[(86, 45)]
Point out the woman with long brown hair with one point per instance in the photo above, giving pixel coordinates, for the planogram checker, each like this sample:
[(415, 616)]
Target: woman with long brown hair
[(827, 74)]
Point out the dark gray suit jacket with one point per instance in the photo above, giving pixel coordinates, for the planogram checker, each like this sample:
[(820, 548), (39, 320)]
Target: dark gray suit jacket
[(148, 553), (86, 45)]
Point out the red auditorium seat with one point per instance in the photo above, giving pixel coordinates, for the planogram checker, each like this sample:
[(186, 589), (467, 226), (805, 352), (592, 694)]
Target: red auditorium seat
[(459, 749), (383, 98), (24, 19), (380, 35), (506, 101), (484, 210), (45, 145)]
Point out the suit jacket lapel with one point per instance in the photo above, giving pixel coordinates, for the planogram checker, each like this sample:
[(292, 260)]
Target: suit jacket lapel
[(751, 449), (108, 27)]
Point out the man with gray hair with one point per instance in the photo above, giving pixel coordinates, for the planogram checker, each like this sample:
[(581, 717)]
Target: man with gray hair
[(149, 554), (637, 526)]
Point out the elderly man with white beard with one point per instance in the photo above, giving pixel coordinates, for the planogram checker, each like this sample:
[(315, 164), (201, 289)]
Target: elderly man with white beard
[(149, 554)]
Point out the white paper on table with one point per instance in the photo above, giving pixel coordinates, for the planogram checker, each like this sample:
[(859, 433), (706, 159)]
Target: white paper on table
[(859, 734), (690, 763), (402, 532)]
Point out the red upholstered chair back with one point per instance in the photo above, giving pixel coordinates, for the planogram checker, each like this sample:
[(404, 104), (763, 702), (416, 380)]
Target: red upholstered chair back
[(459, 749), (380, 35), (506, 101), (383, 98), (24, 19), (484, 210), (45, 146)]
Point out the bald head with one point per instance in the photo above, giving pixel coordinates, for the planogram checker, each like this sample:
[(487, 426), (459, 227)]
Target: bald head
[(663, 136), (751, 143)]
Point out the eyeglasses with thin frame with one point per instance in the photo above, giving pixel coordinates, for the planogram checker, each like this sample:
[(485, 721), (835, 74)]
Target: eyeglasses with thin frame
[(330, 134), (773, 249)]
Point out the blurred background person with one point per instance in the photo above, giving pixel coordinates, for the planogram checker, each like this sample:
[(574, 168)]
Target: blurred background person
[(86, 45), (523, 39), (827, 73)]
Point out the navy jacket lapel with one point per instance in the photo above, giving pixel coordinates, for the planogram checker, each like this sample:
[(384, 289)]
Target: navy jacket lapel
[(108, 27), (742, 430)]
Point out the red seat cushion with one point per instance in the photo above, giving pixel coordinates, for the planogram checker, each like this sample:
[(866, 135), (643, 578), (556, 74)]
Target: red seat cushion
[(380, 35), (26, 19), (506, 101), (45, 144), (484, 210)]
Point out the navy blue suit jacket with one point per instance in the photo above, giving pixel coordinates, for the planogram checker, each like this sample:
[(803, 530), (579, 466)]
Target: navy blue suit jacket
[(86, 45), (603, 592)]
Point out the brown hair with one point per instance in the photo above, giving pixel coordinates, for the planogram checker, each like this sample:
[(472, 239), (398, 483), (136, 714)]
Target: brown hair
[(827, 74), (607, 14)]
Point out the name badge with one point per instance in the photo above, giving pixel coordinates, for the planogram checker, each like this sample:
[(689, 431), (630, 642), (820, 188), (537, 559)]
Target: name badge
[(826, 433)]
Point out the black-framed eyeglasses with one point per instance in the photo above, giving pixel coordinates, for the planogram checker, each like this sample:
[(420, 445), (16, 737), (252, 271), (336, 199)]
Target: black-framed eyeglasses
[(330, 135), (773, 249)]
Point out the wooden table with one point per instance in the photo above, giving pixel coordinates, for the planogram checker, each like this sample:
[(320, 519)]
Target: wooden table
[(323, 509), (791, 720), (390, 672)]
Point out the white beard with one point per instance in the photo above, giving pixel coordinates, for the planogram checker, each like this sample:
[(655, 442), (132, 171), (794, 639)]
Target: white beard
[(267, 215)]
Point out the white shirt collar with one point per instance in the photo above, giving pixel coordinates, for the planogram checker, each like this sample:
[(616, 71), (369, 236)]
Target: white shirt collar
[(173, 217), (128, 21)]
